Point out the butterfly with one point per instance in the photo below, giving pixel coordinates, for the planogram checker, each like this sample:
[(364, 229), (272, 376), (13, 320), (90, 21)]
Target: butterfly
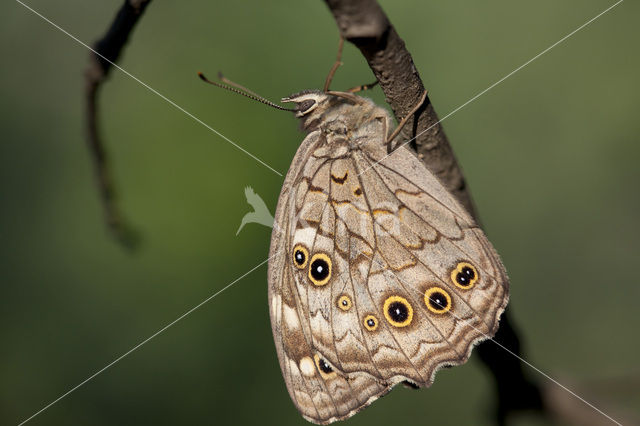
[(377, 274)]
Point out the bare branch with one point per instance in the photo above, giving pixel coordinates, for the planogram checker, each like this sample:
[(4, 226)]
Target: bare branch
[(110, 47)]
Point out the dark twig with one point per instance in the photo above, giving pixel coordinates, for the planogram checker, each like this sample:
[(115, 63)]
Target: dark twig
[(364, 23), (110, 47)]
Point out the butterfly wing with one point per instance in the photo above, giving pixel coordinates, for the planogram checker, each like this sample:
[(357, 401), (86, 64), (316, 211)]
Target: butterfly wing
[(424, 241), (377, 275)]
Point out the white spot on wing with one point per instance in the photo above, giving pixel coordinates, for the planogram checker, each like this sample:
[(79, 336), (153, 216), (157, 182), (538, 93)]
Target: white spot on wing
[(305, 236), (291, 317), (307, 367), (275, 305)]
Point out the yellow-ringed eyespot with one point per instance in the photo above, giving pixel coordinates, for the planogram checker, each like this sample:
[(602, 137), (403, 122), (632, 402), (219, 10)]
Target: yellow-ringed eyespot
[(398, 311), (344, 302), (464, 275), (326, 371), (300, 256), (320, 269), (437, 300), (370, 322)]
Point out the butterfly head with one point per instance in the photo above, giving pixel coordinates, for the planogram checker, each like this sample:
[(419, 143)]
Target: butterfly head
[(314, 107), (308, 101)]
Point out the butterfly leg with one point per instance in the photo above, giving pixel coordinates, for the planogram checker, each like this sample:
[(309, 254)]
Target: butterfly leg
[(405, 119), (363, 87), (335, 66)]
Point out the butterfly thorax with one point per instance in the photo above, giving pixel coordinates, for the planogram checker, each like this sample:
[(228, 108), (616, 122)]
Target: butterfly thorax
[(341, 116)]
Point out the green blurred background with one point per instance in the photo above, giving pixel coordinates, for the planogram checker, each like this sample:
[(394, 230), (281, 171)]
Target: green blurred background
[(551, 155)]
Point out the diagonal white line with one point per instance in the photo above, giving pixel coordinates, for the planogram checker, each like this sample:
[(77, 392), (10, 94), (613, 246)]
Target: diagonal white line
[(153, 90), (501, 80), (144, 341)]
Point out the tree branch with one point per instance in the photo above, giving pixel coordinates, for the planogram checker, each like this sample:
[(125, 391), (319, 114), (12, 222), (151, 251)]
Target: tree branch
[(109, 49), (364, 23)]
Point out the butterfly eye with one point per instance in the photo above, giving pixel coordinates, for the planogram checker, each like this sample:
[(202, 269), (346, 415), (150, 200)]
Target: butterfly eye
[(437, 300), (326, 371), (398, 311), (300, 256), (370, 322), (344, 302), (320, 269), (305, 106), (464, 275)]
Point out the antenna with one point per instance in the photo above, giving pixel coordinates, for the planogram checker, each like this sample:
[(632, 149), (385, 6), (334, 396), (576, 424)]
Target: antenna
[(236, 88)]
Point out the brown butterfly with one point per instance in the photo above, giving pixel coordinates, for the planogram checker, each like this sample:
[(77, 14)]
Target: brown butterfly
[(377, 275)]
